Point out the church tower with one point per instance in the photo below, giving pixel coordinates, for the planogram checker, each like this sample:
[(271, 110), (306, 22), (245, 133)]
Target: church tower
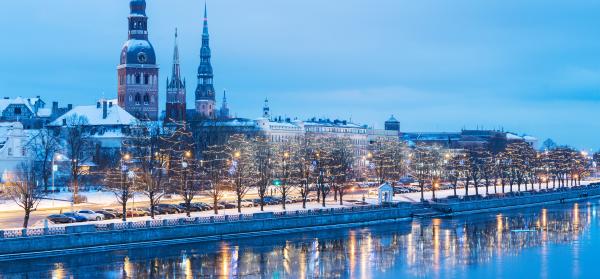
[(224, 111), (137, 72), (205, 92), (176, 103)]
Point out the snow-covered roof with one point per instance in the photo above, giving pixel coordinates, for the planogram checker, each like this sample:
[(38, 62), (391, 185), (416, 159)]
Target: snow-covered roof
[(510, 136), (44, 112), (339, 124), (529, 138), (233, 122), (4, 103), (115, 116)]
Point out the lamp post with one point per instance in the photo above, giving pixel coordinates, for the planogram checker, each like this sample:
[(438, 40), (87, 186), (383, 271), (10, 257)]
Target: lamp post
[(125, 157), (54, 168)]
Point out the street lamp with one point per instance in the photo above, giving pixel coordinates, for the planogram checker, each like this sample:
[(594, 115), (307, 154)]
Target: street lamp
[(54, 168)]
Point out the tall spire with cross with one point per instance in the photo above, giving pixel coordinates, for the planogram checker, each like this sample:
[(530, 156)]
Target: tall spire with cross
[(205, 91), (176, 95)]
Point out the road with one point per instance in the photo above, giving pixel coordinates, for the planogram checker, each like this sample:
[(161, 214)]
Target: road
[(14, 219)]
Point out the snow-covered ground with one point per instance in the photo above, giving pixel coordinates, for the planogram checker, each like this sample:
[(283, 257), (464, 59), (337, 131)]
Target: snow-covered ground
[(107, 199)]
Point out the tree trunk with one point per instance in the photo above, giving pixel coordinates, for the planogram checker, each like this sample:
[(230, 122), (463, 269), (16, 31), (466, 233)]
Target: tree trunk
[(341, 192), (239, 204), (26, 219), (422, 184), (215, 205), (124, 210)]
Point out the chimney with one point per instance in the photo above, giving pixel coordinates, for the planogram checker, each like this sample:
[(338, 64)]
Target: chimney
[(98, 105), (6, 98), (104, 110), (69, 106), (110, 104), (54, 107), (64, 122)]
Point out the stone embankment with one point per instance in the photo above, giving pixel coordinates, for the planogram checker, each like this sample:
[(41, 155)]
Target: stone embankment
[(43, 242)]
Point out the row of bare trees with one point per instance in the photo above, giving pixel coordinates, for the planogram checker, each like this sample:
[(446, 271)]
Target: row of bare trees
[(517, 166)]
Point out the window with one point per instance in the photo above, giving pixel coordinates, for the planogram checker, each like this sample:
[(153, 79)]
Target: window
[(138, 99), (18, 111), (146, 79), (137, 78), (146, 99)]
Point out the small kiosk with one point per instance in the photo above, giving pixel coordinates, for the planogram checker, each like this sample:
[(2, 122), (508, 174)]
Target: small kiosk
[(385, 193)]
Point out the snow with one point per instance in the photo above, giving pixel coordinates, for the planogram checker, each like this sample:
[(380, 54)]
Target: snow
[(44, 112), (115, 116), (4, 103), (510, 136)]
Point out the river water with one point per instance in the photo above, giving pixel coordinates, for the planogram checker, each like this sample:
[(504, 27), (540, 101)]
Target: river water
[(560, 241)]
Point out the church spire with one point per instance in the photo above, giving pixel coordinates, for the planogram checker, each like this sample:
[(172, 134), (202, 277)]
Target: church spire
[(205, 91), (176, 65), (205, 27)]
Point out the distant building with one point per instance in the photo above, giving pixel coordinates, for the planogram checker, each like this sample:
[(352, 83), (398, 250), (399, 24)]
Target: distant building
[(492, 139), (13, 153), (106, 123), (138, 72), (31, 112)]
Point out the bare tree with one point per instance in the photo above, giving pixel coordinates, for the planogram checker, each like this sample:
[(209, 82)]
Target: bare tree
[(323, 166), (265, 162), (25, 189), (184, 170), (119, 180), (242, 168), (151, 154), (342, 160), (283, 165), (302, 167), (425, 166), (78, 146), (214, 166), (44, 145)]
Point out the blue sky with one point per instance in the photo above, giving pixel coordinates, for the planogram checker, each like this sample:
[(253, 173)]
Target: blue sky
[(526, 66)]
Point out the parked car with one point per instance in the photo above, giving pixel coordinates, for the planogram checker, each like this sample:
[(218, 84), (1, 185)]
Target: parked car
[(160, 210), (227, 205), (193, 207), (169, 208), (60, 219), (206, 206), (107, 215), (117, 212), (76, 216), (137, 212), (247, 203), (90, 215)]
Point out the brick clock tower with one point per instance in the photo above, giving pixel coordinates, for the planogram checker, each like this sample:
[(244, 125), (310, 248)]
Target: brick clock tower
[(138, 71)]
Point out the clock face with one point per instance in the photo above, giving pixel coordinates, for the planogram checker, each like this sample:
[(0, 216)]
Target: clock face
[(142, 57)]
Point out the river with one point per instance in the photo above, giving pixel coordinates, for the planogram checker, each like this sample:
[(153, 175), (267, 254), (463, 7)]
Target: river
[(559, 241)]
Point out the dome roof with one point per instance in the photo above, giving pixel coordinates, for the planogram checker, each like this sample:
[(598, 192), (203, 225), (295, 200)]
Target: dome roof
[(138, 52), (392, 120)]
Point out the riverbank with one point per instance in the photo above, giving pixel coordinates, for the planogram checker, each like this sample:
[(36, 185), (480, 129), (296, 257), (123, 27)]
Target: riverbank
[(114, 236), (63, 240)]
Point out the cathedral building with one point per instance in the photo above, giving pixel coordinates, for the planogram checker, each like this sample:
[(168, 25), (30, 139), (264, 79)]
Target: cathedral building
[(137, 72), (205, 91)]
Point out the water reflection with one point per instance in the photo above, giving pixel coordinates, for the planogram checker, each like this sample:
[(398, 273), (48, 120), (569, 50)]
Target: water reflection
[(436, 248)]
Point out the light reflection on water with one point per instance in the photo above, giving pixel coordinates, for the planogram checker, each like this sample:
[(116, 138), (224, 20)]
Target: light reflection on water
[(484, 245)]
